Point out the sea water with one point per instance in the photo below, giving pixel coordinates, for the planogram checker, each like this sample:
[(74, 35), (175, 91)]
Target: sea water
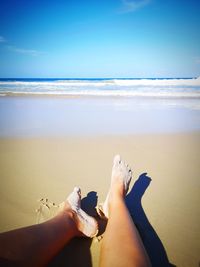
[(98, 106), (104, 87)]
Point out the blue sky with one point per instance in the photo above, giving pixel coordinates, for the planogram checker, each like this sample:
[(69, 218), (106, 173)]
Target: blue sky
[(99, 38)]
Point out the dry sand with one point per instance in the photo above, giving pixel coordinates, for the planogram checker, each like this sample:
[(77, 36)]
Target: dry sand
[(35, 168)]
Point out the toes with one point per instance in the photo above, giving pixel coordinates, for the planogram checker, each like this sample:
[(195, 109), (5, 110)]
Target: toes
[(74, 199), (117, 160), (77, 190), (120, 165)]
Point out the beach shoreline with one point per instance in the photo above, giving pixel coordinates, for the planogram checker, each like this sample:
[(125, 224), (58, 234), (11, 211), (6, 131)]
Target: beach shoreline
[(95, 116), (56, 95)]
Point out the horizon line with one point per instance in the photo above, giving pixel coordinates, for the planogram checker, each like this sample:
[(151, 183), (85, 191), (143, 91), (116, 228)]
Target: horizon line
[(100, 78)]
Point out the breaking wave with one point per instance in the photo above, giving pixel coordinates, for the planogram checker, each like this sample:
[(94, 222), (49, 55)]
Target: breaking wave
[(103, 87)]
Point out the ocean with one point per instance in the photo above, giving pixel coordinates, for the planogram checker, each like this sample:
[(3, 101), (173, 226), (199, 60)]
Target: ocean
[(79, 107), (157, 88)]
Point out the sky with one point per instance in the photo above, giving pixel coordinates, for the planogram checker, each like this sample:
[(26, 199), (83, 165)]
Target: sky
[(99, 38)]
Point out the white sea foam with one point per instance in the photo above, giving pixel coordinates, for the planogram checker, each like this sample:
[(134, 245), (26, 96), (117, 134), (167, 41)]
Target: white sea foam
[(157, 88), (159, 82), (117, 82), (78, 83)]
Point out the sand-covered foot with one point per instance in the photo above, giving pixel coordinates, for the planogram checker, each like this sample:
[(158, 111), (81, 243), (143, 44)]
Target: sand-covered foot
[(85, 223), (120, 180)]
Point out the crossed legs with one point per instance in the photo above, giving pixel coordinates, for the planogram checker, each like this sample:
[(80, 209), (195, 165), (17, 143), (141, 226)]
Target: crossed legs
[(121, 246)]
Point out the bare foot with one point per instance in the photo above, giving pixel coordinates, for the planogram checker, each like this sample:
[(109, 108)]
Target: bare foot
[(86, 224), (120, 180)]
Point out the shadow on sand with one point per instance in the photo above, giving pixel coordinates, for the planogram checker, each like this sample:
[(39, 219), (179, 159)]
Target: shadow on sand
[(151, 241), (77, 252)]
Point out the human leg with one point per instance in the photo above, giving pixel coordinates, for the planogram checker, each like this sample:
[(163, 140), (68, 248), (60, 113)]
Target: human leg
[(36, 245), (121, 244)]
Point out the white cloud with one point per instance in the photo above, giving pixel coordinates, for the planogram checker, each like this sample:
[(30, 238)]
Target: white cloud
[(2, 39), (30, 52), (133, 5)]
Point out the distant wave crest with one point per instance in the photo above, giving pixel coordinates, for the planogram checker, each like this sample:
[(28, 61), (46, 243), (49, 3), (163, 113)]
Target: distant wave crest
[(105, 87)]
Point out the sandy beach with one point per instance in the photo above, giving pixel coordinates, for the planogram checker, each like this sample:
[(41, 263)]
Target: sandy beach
[(81, 82), (33, 168)]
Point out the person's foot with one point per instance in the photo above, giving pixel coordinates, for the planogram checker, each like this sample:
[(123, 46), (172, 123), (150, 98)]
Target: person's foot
[(120, 180), (86, 224)]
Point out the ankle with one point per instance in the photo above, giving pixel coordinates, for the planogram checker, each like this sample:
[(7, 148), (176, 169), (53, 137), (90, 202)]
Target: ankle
[(116, 195), (66, 211), (117, 190)]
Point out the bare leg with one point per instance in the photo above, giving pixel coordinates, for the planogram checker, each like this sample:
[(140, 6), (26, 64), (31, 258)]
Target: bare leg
[(121, 244), (36, 245)]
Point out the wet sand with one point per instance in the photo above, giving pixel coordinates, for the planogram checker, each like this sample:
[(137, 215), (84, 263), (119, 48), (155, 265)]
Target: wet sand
[(32, 168)]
